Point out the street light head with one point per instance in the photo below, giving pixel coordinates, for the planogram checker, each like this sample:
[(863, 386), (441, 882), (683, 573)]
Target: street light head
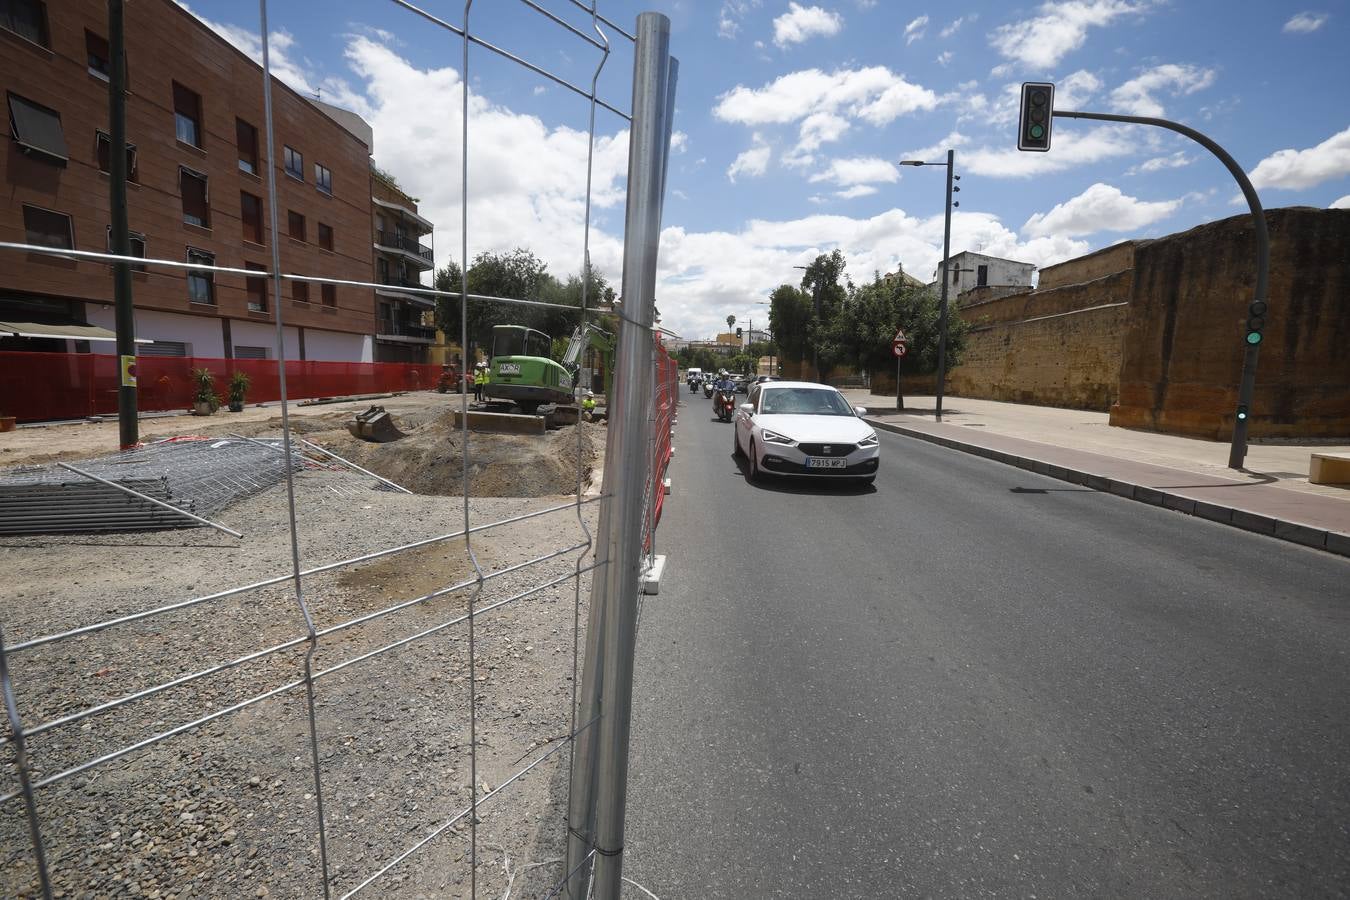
[(911, 162), (956, 203), (956, 177)]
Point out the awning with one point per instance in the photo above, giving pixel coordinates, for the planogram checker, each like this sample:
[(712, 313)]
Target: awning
[(421, 300), (60, 332), (37, 128)]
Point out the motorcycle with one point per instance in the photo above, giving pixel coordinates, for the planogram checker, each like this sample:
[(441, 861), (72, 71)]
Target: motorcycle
[(724, 404), (707, 388)]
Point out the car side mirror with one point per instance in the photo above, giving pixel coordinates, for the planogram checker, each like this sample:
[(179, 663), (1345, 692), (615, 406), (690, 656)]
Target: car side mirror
[(860, 411), (747, 408)]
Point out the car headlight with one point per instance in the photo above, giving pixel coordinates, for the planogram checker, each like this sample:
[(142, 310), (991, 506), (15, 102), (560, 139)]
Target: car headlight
[(869, 441), (773, 437)]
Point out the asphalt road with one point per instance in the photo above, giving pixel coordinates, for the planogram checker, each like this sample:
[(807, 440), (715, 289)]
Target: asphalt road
[(976, 681)]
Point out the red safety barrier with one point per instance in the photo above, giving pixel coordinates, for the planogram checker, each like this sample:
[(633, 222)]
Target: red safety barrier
[(665, 397), (37, 387)]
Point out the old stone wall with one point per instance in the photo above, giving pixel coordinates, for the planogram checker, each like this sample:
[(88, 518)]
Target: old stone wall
[(1183, 340)]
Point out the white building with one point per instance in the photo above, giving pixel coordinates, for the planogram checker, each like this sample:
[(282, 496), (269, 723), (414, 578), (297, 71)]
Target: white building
[(968, 270)]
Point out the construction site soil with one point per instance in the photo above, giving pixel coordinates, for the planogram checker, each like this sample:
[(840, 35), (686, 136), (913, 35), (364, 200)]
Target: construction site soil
[(217, 798)]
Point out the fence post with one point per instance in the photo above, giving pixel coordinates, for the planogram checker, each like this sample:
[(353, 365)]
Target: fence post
[(616, 586)]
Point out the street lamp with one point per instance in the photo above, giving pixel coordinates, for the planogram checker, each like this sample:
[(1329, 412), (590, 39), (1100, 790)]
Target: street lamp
[(946, 254), (815, 302)]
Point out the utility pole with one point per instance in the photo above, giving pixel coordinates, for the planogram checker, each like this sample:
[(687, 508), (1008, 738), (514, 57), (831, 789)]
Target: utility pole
[(942, 304), (128, 435)]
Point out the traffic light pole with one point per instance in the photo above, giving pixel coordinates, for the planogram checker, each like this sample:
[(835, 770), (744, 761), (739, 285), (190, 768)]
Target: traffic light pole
[(1238, 451), (124, 314)]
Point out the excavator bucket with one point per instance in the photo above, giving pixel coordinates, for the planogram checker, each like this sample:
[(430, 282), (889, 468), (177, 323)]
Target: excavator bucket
[(375, 425)]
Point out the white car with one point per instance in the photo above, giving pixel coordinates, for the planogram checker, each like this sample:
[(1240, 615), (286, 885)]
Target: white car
[(802, 428)]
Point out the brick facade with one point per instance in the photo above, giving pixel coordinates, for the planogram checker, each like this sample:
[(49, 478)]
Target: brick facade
[(165, 44)]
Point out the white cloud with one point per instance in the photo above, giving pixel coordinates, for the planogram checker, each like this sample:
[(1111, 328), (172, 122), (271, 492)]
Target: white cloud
[(279, 46), (932, 154), (1135, 96), (1343, 203), (944, 57), (956, 25), (1061, 27), (1071, 148), (1101, 207), (1305, 22), (1072, 91), (1299, 169), (679, 194), (705, 276), (858, 170), (730, 15), (825, 103), (858, 190), (916, 29), (801, 23), (753, 162), (1159, 163)]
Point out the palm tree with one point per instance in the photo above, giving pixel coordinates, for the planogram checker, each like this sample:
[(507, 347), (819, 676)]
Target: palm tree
[(731, 320)]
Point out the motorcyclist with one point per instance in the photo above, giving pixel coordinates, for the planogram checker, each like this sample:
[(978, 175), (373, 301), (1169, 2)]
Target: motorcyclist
[(724, 382)]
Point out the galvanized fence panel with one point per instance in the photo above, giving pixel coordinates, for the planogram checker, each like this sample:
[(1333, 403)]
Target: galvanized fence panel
[(102, 735)]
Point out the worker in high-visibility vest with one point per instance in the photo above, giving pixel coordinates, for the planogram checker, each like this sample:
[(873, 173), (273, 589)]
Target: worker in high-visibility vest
[(480, 380), (588, 405)]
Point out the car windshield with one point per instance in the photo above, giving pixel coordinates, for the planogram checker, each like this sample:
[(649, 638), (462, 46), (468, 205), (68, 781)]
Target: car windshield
[(802, 401)]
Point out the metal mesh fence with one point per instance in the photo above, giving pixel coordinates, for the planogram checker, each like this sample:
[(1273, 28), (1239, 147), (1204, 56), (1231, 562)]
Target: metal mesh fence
[(348, 724)]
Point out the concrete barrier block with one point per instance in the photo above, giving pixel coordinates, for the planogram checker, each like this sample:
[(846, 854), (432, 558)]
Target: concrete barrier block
[(502, 423), (1338, 543), (1253, 522), (1301, 534)]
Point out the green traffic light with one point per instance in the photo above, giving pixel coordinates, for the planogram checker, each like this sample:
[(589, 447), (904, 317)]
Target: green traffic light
[(1253, 337), (1242, 412), (1037, 131)]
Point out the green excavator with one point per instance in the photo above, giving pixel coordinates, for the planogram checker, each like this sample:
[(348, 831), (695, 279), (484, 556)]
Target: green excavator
[(523, 373)]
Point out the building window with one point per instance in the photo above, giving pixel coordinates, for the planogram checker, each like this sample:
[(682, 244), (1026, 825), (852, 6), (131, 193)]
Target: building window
[(323, 178), (37, 130), (187, 115), (98, 56), (26, 18), (196, 209), (981, 275), (300, 291), (136, 240), (201, 283), (105, 157), (329, 294), (295, 225), (246, 136), (956, 274), (325, 236), (295, 163), (250, 212), (45, 228), (382, 268), (164, 348), (256, 286), (241, 352)]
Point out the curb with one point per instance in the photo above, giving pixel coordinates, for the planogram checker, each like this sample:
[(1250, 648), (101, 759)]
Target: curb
[(1282, 529)]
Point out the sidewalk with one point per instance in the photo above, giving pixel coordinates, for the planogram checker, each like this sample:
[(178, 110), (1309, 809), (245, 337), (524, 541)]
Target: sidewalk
[(1273, 497)]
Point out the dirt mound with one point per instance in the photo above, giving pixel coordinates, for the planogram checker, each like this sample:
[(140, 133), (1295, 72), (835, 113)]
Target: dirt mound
[(430, 459)]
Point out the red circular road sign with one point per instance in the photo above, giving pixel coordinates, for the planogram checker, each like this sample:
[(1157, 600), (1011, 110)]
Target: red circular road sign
[(899, 348)]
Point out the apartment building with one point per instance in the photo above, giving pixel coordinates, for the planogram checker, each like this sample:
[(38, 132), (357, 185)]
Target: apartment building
[(405, 321), (197, 157)]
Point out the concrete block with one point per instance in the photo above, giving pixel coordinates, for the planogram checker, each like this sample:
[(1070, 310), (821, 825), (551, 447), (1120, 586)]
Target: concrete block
[(1301, 534), (1151, 496), (502, 423), (1329, 468), (1180, 504), (1121, 488), (1213, 512), (1057, 472), (651, 575), (1097, 482), (1338, 543), (1040, 467), (1253, 522)]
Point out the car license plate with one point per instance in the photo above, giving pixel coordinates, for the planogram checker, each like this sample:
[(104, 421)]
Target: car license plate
[(818, 462), (508, 368)]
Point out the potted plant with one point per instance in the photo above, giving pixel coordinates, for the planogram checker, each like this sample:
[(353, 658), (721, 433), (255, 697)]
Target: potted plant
[(238, 387), (204, 401)]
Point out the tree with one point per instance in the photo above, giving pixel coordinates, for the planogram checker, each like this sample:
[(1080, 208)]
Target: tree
[(821, 283), (790, 319), (862, 331), (447, 308)]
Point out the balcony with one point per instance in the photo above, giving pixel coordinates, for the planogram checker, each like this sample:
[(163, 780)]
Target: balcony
[(390, 240), (393, 279), (401, 329)]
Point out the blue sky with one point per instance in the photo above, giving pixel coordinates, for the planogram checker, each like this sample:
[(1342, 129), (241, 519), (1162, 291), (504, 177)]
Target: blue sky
[(791, 116)]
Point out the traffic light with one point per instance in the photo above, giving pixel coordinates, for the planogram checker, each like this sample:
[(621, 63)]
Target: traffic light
[(1256, 321), (1033, 125), (1242, 413), (739, 332)]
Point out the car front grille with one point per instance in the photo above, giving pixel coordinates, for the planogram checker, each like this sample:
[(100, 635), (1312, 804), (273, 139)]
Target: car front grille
[(827, 449)]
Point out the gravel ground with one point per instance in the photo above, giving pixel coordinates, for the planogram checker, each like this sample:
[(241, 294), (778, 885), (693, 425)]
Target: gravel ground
[(227, 809)]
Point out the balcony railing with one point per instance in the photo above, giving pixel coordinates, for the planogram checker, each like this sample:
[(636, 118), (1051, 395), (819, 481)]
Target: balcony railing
[(398, 241), (400, 328), (393, 279)]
